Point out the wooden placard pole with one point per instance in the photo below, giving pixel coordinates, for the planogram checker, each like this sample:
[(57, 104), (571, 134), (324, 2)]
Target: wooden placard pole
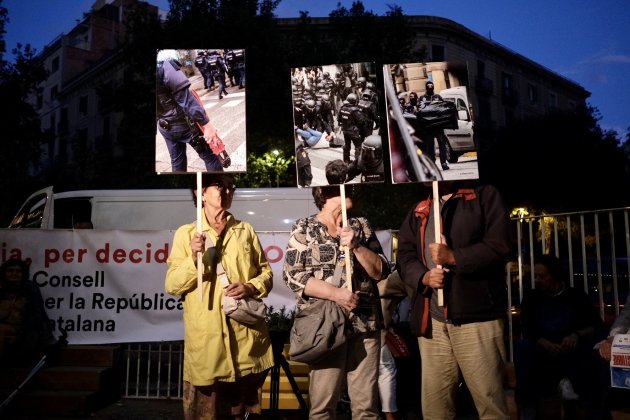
[(438, 231), (345, 249), (199, 230)]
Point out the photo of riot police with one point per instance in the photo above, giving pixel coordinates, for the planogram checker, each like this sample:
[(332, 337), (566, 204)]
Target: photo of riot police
[(200, 111), (336, 116), (430, 121)]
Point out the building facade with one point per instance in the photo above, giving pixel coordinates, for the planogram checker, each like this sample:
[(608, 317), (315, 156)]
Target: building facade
[(84, 65), (505, 85)]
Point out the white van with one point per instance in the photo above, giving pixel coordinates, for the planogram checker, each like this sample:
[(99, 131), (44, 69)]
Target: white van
[(462, 139), (267, 209)]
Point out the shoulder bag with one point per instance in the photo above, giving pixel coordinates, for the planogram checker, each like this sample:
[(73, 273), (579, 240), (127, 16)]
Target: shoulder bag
[(248, 310), (318, 328)]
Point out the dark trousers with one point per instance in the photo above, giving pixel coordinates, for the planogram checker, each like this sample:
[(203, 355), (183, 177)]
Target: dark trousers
[(220, 78), (429, 144), (176, 140), (538, 373), (351, 137)]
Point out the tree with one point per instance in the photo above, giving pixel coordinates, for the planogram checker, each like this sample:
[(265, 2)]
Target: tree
[(133, 165), (269, 170), (22, 138), (558, 162)]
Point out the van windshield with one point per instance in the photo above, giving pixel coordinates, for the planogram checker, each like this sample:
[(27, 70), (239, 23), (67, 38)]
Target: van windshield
[(31, 214)]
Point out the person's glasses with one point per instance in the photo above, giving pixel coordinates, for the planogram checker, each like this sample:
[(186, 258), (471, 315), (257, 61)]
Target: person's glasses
[(222, 186)]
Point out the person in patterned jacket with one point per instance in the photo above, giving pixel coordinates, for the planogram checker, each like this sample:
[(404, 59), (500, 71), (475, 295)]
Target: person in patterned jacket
[(314, 268)]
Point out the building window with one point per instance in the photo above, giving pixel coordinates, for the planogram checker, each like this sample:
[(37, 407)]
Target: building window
[(484, 114), (481, 69), (83, 105), (54, 65), (54, 91), (40, 100), (483, 84), (572, 105), (437, 53), (532, 94), (553, 100), (63, 120), (509, 94), (53, 123), (507, 81)]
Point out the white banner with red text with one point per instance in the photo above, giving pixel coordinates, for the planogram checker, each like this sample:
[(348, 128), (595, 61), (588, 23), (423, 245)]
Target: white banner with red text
[(108, 286)]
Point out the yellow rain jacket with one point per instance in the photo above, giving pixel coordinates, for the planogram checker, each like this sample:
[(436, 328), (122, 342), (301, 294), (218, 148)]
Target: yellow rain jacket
[(213, 350)]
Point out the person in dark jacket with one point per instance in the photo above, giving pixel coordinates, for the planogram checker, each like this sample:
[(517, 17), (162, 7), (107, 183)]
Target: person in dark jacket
[(466, 333), (351, 120), (25, 330), (428, 135)]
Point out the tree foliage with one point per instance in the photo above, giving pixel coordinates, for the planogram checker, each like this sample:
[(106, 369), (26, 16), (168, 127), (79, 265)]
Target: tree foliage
[(134, 98), (22, 137), (559, 162), (271, 169)]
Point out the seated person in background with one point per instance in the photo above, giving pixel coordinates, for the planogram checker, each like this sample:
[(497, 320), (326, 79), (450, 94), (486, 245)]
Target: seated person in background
[(558, 325), (603, 396), (25, 331), (620, 326)]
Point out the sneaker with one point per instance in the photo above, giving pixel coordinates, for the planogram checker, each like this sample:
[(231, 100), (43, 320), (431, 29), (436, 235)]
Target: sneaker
[(565, 389)]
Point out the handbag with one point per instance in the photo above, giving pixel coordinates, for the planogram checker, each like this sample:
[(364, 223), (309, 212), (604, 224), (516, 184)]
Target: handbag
[(248, 310), (396, 344), (318, 328)]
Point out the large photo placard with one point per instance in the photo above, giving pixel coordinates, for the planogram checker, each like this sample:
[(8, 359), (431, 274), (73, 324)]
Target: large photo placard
[(200, 111), (430, 121), (336, 117)]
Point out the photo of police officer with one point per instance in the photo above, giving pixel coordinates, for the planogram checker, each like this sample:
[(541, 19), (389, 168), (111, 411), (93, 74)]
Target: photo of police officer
[(431, 121), (336, 116), (200, 112)]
